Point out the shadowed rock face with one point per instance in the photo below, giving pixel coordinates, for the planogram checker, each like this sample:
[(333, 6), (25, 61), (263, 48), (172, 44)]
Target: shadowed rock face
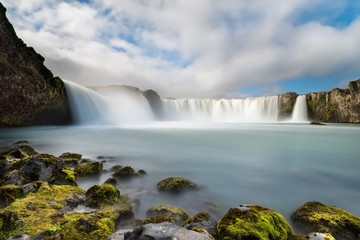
[(286, 104), (29, 93)]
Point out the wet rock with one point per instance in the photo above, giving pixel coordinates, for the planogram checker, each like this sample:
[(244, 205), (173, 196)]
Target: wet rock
[(166, 231), (64, 177), (120, 235), (5, 167), (141, 172), (73, 201), (175, 184), (41, 167), (115, 168), (111, 181), (101, 194), (42, 236), (70, 159), (175, 214), (31, 187), (88, 167), (315, 236), (125, 172), (253, 222), (20, 237), (155, 102), (202, 220), (15, 177), (317, 123), (319, 217)]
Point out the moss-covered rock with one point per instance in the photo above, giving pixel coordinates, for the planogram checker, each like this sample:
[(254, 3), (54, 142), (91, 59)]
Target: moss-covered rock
[(175, 184), (71, 159), (319, 217), (111, 181), (88, 167), (177, 215), (15, 177), (202, 220), (102, 194), (253, 222), (64, 177), (125, 172)]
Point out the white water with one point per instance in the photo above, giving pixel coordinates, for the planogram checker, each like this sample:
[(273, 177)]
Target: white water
[(108, 106), (300, 110), (87, 106), (262, 109)]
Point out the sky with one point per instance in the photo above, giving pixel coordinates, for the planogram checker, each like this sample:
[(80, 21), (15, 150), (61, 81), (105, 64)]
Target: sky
[(202, 48)]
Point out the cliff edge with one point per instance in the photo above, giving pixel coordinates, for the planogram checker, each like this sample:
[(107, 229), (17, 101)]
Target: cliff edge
[(29, 93)]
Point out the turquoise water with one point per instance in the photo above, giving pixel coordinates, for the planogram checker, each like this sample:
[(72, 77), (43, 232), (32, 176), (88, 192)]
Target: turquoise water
[(279, 166)]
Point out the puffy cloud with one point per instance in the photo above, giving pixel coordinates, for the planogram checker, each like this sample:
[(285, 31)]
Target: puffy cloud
[(191, 48)]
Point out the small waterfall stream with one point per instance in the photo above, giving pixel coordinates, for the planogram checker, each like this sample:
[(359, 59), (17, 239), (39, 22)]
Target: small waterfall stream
[(300, 113)]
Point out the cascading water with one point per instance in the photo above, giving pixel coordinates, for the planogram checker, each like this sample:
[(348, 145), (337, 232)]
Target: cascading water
[(300, 110), (108, 106), (262, 109), (87, 106)]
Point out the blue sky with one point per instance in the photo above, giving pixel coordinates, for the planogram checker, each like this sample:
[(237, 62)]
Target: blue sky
[(207, 48)]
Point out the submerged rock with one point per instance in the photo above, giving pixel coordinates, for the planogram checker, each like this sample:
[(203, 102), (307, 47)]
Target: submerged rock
[(175, 214), (319, 217), (175, 184), (202, 220), (125, 172), (253, 222)]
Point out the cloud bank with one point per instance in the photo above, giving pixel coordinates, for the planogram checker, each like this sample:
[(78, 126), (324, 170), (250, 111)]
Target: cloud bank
[(202, 48)]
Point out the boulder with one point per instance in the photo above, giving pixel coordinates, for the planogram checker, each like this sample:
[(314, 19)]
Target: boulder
[(202, 220), (17, 177), (253, 222), (70, 159), (88, 167), (64, 177), (101, 194), (125, 172), (111, 181), (175, 214), (41, 167), (165, 231), (175, 184), (319, 217)]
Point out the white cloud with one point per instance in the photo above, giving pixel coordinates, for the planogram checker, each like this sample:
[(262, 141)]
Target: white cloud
[(186, 48)]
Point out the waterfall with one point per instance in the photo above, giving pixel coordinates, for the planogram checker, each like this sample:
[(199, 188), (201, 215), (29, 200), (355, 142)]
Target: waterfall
[(300, 110), (262, 109), (87, 106), (111, 105)]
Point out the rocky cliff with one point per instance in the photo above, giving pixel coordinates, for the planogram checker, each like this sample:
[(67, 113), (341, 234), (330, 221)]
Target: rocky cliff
[(29, 93), (337, 105)]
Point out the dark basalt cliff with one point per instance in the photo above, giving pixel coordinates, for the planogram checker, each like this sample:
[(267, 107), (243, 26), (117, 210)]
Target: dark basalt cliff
[(29, 93)]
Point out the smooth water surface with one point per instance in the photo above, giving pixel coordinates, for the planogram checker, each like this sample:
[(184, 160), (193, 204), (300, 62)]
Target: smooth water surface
[(279, 166)]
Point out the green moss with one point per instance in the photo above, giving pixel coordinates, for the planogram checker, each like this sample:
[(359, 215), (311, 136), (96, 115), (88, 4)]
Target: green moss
[(175, 184), (35, 211), (177, 215), (319, 217), (200, 217), (13, 190), (102, 194), (88, 168), (253, 222), (70, 175)]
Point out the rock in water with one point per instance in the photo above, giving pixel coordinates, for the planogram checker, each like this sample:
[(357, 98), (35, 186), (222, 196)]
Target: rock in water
[(29, 93), (202, 220), (253, 222), (174, 214), (319, 217), (175, 184)]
